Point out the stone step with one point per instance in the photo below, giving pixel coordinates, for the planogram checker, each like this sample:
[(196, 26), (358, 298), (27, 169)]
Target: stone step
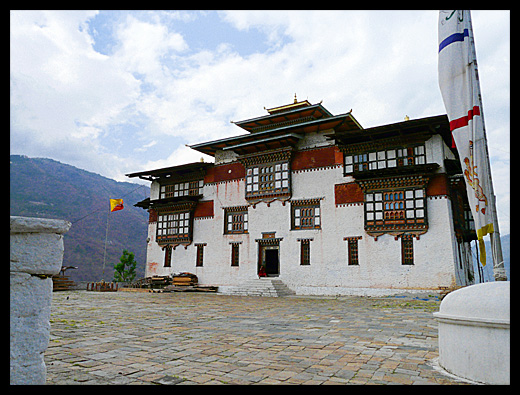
[(261, 287)]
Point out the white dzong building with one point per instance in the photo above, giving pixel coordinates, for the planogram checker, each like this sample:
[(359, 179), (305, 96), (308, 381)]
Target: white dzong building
[(328, 207)]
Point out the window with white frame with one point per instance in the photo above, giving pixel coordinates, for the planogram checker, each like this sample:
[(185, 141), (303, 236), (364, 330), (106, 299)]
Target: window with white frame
[(395, 208), (306, 214), (268, 178), (235, 220), (383, 159), (188, 188), (173, 226)]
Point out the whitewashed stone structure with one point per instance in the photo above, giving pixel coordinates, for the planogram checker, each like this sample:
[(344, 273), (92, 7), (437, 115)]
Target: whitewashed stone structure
[(474, 333), (36, 247), (313, 198)]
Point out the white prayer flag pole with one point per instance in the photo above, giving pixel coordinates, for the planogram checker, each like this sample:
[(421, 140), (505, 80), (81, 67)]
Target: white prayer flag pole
[(460, 89)]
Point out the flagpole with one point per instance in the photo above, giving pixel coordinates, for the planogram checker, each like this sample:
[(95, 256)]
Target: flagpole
[(496, 244), (105, 254)]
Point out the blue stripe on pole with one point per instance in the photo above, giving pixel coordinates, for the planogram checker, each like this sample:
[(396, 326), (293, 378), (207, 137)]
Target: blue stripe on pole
[(453, 38)]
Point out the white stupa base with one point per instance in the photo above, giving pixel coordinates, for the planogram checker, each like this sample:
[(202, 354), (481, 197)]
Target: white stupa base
[(474, 335)]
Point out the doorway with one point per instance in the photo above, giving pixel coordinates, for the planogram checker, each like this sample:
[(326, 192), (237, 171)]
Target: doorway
[(270, 260), (272, 265)]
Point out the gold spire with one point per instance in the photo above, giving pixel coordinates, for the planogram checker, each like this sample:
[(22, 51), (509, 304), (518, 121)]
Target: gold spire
[(295, 99)]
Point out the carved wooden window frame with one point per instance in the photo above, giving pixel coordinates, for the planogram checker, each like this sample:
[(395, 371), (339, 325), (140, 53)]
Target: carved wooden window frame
[(384, 158), (235, 254), (167, 256), (396, 208), (187, 188), (407, 253), (305, 252), (353, 250), (305, 214), (236, 220), (199, 262), (170, 229), (267, 179)]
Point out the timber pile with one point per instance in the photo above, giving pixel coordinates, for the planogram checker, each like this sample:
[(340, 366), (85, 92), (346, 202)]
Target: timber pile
[(185, 279), (188, 288), (180, 282), (159, 281), (150, 282), (61, 283)]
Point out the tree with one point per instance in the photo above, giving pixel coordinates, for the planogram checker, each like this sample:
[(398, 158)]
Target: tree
[(125, 269)]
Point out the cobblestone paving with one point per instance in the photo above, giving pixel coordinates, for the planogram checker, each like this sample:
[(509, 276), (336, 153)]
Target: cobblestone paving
[(196, 338)]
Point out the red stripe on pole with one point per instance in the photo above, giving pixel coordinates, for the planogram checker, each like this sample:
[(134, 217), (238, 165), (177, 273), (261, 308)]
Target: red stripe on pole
[(463, 121)]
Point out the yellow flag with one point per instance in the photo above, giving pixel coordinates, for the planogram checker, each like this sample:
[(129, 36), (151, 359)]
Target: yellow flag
[(116, 204)]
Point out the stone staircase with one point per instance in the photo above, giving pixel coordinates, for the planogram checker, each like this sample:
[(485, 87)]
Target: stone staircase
[(261, 287)]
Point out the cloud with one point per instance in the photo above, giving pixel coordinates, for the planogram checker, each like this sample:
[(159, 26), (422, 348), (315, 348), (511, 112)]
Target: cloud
[(64, 95), (61, 89), (146, 48), (134, 106), (179, 156), (146, 146)]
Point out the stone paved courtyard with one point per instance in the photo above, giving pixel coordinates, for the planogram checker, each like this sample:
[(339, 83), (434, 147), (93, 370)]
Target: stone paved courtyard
[(202, 338)]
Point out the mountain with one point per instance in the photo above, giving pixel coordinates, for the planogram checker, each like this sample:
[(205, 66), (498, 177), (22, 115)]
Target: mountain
[(46, 188)]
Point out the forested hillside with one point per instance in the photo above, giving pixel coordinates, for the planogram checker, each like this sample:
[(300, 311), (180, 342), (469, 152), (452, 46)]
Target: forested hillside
[(49, 189)]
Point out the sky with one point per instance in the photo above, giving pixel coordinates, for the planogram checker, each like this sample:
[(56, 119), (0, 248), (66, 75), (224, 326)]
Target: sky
[(116, 92)]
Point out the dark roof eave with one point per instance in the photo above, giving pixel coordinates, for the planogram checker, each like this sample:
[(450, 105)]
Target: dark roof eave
[(210, 147), (152, 175), (155, 203), (431, 124), (265, 140), (288, 112)]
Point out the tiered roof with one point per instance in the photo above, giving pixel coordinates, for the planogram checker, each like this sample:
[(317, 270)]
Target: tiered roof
[(282, 127)]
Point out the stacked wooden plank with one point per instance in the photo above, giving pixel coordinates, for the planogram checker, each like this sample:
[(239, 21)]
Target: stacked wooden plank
[(185, 279), (188, 288), (61, 283), (179, 282), (158, 281)]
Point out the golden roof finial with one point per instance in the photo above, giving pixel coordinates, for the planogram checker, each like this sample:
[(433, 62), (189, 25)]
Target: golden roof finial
[(295, 99)]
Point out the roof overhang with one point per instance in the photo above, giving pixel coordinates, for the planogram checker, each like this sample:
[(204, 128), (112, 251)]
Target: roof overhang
[(315, 111), (280, 141), (438, 124), (167, 172), (167, 202), (284, 134)]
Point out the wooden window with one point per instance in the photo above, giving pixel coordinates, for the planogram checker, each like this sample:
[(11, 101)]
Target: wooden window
[(393, 205), (200, 255), (405, 157), (173, 226), (267, 178), (167, 255), (395, 208), (235, 254), (387, 158), (469, 222), (352, 249), (235, 220), (305, 252), (306, 216), (407, 250), (419, 155), (188, 188)]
